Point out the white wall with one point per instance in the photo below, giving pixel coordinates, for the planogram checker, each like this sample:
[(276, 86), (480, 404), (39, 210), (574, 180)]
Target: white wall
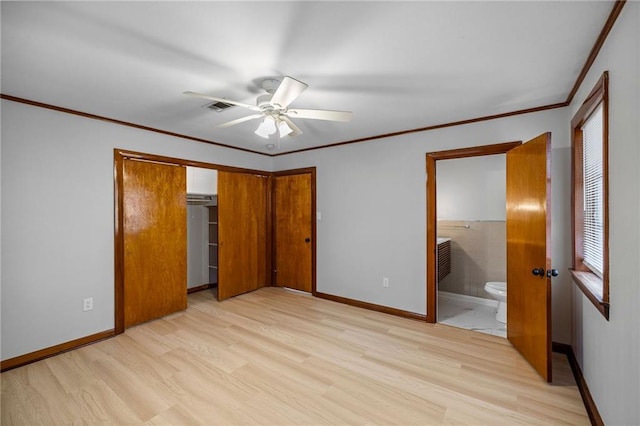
[(473, 188), (202, 181), (58, 217), (372, 197), (609, 351)]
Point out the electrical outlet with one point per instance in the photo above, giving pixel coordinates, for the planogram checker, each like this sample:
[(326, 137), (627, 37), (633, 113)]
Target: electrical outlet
[(87, 304), (385, 282)]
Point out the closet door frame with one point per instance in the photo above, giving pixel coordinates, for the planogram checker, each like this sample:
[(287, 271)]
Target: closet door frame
[(119, 156)]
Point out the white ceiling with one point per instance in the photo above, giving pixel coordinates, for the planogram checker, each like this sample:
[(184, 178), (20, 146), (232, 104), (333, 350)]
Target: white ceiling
[(396, 65)]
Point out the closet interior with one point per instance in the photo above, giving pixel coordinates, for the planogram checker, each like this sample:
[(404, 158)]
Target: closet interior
[(202, 228)]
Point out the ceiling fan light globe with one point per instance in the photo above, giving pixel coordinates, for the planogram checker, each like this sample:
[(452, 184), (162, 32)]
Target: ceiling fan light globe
[(266, 128), (260, 132), (284, 128)]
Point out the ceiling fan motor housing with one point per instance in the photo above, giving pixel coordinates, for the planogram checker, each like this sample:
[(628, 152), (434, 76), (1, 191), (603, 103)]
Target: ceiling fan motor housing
[(264, 102), (270, 85)]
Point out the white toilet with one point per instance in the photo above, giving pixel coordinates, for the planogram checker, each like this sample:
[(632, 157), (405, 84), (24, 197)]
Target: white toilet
[(498, 290)]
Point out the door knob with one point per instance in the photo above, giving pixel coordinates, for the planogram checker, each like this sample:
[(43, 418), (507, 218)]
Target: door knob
[(306, 240), (552, 273), (538, 272)]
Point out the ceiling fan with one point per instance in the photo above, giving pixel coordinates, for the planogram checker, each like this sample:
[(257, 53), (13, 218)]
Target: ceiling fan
[(274, 107)]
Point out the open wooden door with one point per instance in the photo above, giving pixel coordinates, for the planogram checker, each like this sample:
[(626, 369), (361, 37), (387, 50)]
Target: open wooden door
[(242, 233), (294, 231), (529, 253), (155, 240)]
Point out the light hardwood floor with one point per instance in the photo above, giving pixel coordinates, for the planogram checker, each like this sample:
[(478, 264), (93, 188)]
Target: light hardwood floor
[(277, 357)]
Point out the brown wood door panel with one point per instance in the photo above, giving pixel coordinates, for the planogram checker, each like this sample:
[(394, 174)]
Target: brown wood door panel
[(528, 247), (293, 231), (242, 233), (155, 240)]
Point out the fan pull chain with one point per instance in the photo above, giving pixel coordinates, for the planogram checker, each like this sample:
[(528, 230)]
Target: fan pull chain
[(278, 145)]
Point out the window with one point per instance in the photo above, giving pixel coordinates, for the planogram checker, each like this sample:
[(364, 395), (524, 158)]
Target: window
[(589, 145)]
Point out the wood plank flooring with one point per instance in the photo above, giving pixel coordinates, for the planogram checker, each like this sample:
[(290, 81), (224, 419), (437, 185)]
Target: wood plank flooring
[(275, 357)]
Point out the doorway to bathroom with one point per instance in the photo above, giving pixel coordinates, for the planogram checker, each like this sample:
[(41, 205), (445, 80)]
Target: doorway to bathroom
[(466, 235), (472, 244)]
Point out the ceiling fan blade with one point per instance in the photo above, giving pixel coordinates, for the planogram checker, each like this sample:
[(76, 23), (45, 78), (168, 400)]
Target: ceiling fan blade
[(239, 120), (289, 89), (223, 100), (296, 130), (320, 114)]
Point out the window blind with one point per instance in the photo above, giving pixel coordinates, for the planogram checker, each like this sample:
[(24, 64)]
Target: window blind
[(593, 226)]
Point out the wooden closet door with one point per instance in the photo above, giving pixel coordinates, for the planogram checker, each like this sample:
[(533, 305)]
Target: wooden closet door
[(293, 231), (242, 233), (155, 240)]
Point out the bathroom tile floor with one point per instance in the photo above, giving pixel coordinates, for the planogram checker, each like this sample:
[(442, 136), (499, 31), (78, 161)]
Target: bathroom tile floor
[(470, 313)]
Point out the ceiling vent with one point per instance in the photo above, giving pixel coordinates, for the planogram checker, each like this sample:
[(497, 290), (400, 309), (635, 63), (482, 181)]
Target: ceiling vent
[(218, 106)]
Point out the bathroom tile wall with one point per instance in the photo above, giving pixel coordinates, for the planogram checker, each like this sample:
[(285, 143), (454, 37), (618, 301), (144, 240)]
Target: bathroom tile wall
[(478, 255)]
